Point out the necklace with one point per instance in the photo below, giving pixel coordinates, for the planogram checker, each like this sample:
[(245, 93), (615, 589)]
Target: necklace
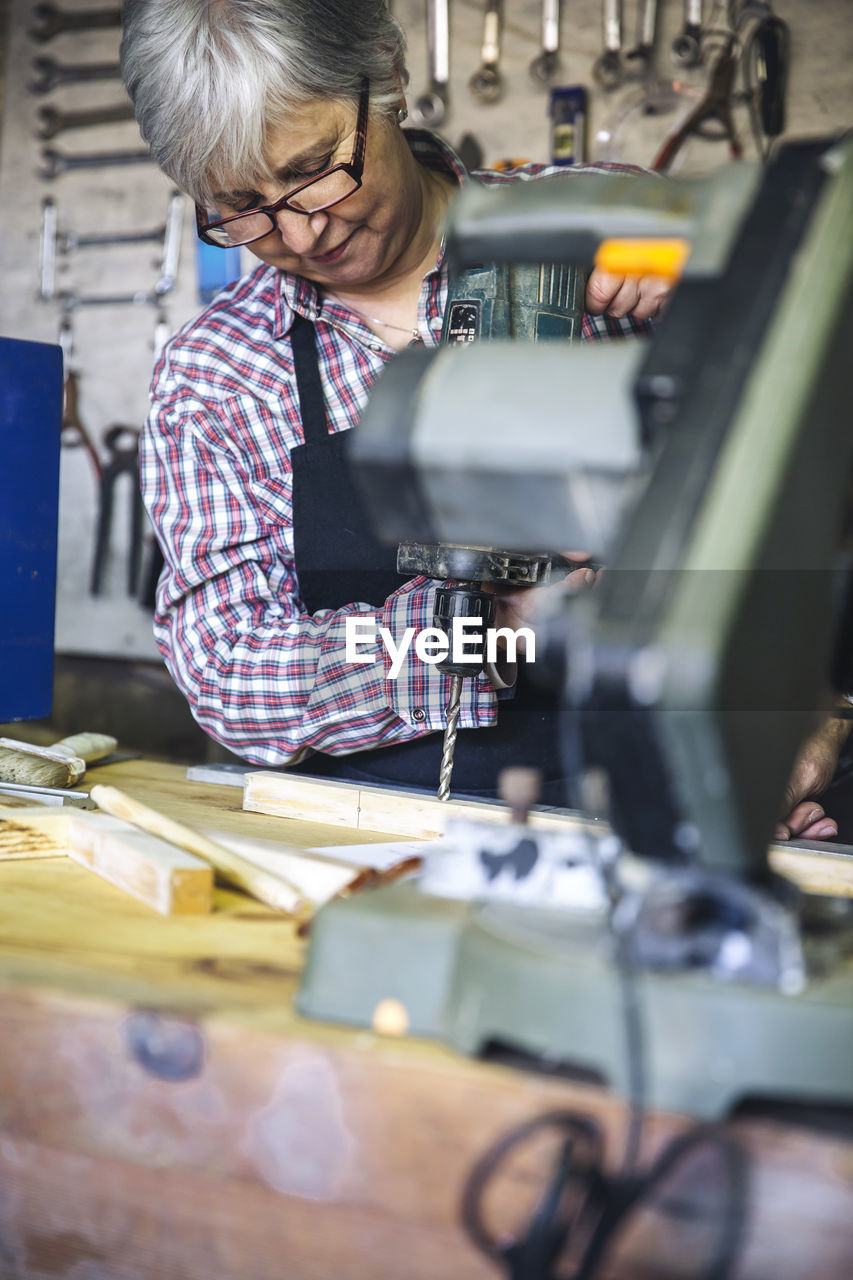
[(386, 324)]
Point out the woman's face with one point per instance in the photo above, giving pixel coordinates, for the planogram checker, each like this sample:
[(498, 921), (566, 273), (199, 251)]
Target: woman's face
[(360, 239)]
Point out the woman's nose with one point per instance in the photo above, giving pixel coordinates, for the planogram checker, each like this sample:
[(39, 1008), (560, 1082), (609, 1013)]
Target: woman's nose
[(300, 232)]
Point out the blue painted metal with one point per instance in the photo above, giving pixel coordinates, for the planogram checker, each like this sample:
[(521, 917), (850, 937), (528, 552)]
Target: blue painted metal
[(30, 426)]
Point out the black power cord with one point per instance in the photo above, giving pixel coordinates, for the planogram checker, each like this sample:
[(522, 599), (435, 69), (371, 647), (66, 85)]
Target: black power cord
[(581, 1200)]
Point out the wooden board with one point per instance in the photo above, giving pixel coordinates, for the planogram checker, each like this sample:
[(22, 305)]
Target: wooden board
[(405, 813), (33, 831), (162, 876), (818, 867)]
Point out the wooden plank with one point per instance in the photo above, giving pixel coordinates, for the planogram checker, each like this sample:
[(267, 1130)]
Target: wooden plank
[(381, 809), (33, 831), (163, 877), (821, 868)]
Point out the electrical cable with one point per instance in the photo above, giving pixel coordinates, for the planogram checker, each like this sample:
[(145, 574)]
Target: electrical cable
[(606, 1202)]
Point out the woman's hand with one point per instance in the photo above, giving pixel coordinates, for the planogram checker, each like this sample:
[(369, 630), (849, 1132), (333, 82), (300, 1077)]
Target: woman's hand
[(642, 297), (810, 776)]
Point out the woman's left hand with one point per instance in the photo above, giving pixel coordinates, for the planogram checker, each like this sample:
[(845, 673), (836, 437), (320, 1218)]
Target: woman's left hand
[(641, 297), (812, 773)]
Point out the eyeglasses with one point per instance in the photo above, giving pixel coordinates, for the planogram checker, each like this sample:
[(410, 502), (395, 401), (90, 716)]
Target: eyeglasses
[(324, 191)]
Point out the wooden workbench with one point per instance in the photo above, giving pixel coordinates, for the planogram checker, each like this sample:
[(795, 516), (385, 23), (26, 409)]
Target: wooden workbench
[(164, 1114)]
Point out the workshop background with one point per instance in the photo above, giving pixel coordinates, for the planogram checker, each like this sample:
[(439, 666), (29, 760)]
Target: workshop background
[(113, 304)]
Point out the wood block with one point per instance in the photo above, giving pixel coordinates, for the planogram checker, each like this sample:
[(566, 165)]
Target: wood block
[(288, 795), (395, 812), (160, 875), (318, 879), (33, 831)]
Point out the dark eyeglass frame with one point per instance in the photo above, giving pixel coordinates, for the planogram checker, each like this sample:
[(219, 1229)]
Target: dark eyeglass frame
[(354, 167)]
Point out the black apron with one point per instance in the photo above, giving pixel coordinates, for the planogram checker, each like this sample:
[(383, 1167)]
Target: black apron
[(339, 560)]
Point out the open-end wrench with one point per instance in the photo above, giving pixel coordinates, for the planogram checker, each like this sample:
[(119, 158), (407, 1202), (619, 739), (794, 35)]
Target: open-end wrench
[(546, 64), (56, 162), (47, 250), (171, 245), (486, 83), (644, 50), (49, 74), (50, 21), (687, 45), (607, 69), (51, 121), (71, 300), (431, 106)]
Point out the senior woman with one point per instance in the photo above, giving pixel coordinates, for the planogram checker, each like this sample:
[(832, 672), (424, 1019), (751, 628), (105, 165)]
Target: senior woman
[(281, 119)]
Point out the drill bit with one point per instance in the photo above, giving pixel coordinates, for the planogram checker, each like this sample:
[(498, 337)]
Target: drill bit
[(452, 724)]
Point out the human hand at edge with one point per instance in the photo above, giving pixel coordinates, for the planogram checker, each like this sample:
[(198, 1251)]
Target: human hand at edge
[(642, 297), (812, 773)]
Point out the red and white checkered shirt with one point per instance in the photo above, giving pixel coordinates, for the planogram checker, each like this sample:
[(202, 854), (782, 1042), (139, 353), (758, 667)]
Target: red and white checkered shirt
[(263, 676)]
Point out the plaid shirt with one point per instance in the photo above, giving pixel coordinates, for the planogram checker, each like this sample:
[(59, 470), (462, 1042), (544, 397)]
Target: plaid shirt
[(263, 676)]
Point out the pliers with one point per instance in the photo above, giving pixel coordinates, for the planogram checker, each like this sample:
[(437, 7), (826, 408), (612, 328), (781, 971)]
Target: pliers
[(715, 106), (122, 444)]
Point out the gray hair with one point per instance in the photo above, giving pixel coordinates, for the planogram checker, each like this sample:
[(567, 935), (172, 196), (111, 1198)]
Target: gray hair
[(210, 78)]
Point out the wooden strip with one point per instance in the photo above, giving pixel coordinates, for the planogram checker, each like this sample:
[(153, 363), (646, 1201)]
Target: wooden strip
[(287, 795), (822, 868), (33, 831), (827, 871), (272, 889), (317, 879), (170, 880), (395, 812)]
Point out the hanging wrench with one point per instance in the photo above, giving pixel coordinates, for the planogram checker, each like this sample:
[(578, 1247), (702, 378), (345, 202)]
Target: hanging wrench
[(607, 70), (486, 83), (52, 121), (49, 74), (687, 47), (56, 162), (431, 106), (51, 21), (644, 50), (47, 250), (171, 245), (546, 64)]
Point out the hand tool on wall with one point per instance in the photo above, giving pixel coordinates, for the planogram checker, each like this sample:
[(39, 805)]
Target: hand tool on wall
[(171, 246), (644, 50), (122, 445), (49, 74), (142, 298), (47, 249), (714, 110), (487, 83), (57, 162), (53, 242), (74, 434), (430, 108), (607, 70), (687, 45), (546, 64), (50, 21), (60, 765), (52, 121)]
